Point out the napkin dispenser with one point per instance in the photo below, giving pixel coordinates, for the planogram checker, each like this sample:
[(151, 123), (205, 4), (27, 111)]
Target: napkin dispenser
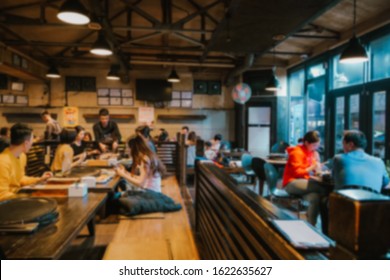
[(78, 190), (90, 181)]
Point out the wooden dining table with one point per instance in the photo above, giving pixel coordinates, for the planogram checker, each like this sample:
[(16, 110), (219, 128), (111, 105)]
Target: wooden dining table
[(51, 241)]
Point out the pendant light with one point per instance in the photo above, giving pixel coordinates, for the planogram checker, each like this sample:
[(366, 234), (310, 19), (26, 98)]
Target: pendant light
[(101, 46), (273, 83), (73, 12), (113, 73), (354, 52), (53, 73), (173, 77)]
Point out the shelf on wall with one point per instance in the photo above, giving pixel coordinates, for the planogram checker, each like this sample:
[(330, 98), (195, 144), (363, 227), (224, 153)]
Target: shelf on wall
[(26, 117), (181, 117), (117, 117), (20, 73)]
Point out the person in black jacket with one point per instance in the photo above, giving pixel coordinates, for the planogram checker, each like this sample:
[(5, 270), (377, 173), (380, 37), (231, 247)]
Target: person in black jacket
[(106, 132)]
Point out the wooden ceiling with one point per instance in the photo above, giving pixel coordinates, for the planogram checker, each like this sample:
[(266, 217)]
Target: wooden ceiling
[(207, 34)]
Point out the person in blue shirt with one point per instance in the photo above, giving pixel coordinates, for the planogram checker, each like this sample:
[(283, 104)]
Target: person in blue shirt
[(357, 168)]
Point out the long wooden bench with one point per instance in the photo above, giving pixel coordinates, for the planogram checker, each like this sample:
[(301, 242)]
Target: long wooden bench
[(161, 236), (234, 223)]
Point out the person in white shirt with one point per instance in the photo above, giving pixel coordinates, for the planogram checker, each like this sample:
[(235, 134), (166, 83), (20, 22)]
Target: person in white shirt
[(216, 142), (209, 153)]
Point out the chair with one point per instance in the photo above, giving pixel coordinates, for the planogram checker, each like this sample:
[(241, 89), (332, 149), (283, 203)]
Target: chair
[(258, 168), (279, 147), (246, 164), (271, 175)]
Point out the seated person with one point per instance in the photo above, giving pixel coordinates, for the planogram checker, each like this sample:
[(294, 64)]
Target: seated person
[(191, 148), (13, 162), (144, 132), (4, 138), (106, 132), (208, 152), (63, 158), (279, 147), (162, 135), (216, 142), (147, 168), (80, 146), (301, 165), (357, 168)]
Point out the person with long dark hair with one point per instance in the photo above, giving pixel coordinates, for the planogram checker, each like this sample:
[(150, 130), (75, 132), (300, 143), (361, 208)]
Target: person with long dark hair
[(147, 169), (63, 158)]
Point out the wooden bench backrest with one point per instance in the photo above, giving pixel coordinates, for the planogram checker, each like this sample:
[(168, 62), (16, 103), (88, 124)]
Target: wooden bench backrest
[(234, 223)]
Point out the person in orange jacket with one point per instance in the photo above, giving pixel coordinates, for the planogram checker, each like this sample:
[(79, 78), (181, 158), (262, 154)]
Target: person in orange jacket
[(298, 178)]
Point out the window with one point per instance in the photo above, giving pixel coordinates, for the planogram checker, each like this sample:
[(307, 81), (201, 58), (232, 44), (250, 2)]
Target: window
[(354, 108), (297, 120), (380, 58), (379, 124), (346, 74), (316, 71), (339, 124), (316, 107)]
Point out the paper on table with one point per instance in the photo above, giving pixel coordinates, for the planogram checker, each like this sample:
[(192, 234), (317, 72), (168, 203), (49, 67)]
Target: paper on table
[(301, 234)]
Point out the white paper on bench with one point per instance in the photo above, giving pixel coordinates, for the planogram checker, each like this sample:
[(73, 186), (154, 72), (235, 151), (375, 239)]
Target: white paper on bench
[(301, 234)]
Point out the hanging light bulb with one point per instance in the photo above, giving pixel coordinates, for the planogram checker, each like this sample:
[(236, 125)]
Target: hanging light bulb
[(273, 83), (53, 73), (354, 52), (113, 73), (173, 77), (73, 12), (101, 46)]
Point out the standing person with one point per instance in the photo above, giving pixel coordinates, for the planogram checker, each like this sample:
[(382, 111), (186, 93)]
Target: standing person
[(13, 161), (4, 138), (147, 168), (355, 167), (53, 128), (63, 158), (191, 148), (106, 132), (301, 165)]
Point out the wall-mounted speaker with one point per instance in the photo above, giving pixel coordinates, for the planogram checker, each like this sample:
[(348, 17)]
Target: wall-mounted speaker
[(214, 87), (207, 87), (200, 87)]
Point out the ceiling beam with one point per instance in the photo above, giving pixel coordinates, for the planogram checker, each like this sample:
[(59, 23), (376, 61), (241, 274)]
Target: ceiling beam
[(304, 36), (134, 7), (27, 5), (118, 57), (200, 11), (229, 11), (205, 13), (188, 39), (25, 41)]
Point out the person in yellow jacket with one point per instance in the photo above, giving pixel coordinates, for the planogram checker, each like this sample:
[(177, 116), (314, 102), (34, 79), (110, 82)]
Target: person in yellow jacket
[(13, 162)]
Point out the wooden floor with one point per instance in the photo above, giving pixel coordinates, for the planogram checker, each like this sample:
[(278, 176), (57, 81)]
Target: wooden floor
[(152, 236)]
